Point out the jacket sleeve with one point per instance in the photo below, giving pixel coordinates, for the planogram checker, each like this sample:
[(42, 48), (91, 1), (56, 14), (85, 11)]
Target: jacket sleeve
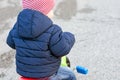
[(61, 42), (10, 41)]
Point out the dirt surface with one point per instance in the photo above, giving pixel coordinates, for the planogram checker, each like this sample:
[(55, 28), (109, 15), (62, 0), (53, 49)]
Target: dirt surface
[(96, 25)]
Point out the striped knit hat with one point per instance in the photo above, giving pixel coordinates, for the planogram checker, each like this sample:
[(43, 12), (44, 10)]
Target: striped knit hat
[(44, 6)]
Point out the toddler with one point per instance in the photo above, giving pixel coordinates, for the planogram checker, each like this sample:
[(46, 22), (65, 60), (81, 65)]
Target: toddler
[(39, 43)]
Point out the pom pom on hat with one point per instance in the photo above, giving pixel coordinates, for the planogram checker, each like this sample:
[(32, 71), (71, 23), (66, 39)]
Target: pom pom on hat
[(43, 6)]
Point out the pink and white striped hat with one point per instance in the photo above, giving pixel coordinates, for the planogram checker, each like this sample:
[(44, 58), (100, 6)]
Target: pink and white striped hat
[(44, 6)]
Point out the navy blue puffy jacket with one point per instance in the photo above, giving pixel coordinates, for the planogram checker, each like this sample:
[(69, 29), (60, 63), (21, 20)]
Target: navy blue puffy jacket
[(39, 44)]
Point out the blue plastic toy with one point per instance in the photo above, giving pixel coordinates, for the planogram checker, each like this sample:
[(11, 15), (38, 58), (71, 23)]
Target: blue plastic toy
[(81, 70)]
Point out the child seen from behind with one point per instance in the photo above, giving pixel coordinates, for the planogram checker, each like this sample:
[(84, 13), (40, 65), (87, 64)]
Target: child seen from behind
[(39, 43)]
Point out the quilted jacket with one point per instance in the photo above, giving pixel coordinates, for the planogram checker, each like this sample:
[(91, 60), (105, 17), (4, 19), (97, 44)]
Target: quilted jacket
[(39, 44)]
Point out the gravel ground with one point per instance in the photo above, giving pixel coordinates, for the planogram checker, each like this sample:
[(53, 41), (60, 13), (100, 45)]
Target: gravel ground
[(96, 25)]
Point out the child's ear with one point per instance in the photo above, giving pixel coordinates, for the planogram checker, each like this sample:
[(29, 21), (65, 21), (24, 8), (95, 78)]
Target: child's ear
[(50, 14)]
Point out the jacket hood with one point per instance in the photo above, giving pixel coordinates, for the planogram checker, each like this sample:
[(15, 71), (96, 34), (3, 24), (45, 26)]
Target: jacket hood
[(32, 23)]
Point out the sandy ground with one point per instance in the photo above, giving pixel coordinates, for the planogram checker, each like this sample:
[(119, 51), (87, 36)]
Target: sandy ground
[(96, 25)]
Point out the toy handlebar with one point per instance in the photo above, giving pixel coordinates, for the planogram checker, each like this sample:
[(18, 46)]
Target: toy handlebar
[(81, 70)]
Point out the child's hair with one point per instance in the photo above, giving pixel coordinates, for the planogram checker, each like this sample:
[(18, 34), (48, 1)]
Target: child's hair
[(43, 6)]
